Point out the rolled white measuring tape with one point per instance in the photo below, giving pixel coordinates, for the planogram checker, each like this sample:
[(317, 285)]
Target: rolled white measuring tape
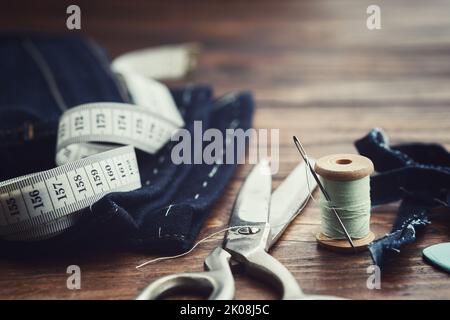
[(91, 162), (91, 128)]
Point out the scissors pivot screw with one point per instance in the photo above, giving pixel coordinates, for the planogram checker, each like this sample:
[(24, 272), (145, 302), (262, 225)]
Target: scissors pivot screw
[(248, 230)]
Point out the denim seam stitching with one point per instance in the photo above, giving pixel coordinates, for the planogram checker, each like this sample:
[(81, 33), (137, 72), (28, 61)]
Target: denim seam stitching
[(46, 72), (105, 65)]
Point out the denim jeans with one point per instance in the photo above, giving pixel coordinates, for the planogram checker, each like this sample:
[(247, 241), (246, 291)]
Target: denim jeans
[(44, 75), (417, 174)]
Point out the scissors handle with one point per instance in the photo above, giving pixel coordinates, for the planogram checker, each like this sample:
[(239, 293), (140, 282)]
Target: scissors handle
[(262, 265), (218, 280)]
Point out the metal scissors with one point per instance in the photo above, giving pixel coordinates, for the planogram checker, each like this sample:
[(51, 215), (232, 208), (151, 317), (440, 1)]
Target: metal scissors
[(258, 220)]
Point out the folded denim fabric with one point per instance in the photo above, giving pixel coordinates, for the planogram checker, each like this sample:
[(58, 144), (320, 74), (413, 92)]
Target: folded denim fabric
[(418, 174), (167, 213), (42, 76)]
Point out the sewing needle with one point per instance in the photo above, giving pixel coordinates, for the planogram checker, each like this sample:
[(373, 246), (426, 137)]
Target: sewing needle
[(321, 187)]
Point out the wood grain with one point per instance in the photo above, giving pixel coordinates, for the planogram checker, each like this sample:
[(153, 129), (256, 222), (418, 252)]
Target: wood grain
[(317, 72)]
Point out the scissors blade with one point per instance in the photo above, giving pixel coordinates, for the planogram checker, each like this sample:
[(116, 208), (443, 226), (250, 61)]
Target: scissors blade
[(253, 201), (287, 200)]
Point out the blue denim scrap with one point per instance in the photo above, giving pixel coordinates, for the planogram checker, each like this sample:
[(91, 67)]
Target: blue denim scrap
[(41, 77), (167, 213), (417, 174)]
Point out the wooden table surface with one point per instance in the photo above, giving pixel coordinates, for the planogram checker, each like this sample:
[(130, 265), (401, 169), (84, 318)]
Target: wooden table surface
[(316, 71)]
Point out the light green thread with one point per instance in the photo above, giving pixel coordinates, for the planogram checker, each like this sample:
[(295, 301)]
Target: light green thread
[(352, 201)]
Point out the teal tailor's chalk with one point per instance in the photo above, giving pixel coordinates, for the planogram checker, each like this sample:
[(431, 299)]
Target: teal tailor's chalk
[(438, 255)]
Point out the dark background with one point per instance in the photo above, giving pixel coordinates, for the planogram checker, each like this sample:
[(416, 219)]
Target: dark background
[(316, 71)]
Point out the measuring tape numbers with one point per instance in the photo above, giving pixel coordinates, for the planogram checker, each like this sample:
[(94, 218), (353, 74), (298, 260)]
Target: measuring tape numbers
[(95, 150), (91, 165), (39, 205), (95, 127)]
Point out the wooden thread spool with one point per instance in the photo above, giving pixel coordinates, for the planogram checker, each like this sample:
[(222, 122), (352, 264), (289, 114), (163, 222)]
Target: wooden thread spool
[(344, 168)]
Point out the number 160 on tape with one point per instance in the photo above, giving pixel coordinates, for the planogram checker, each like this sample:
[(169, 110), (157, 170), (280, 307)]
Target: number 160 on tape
[(47, 197)]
